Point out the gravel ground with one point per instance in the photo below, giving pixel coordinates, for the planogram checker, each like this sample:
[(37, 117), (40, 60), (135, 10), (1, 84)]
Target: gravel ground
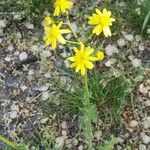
[(21, 87)]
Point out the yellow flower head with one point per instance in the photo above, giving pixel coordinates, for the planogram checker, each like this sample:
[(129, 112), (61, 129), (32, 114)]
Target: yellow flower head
[(82, 59), (62, 6), (47, 21), (100, 55), (54, 34), (102, 21)]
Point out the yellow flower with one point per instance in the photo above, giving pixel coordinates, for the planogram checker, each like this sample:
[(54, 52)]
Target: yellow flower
[(82, 59), (62, 6), (100, 55), (102, 21), (47, 21), (54, 34)]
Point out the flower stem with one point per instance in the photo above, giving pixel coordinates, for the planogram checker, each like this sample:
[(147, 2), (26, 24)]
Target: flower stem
[(8, 142), (73, 42), (87, 102)]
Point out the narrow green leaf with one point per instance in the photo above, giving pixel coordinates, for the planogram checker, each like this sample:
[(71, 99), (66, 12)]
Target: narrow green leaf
[(146, 20)]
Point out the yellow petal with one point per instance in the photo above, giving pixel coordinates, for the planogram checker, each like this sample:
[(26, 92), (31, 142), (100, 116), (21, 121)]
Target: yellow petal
[(104, 11), (97, 30), (60, 24), (92, 58), (56, 11), (75, 49), (106, 31), (77, 68), (89, 65), (98, 11), (73, 65), (81, 46), (89, 50), (61, 39), (71, 58), (62, 31)]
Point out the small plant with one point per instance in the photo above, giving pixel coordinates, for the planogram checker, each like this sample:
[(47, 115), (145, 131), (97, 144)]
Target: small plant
[(84, 56)]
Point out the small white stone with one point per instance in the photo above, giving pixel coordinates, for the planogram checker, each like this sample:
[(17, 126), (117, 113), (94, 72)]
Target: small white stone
[(47, 75), (110, 62), (12, 114), (145, 138), (34, 48), (111, 49), (136, 62), (14, 107), (18, 35), (23, 56), (59, 142), (44, 120), (10, 48), (142, 147), (133, 124), (16, 53), (17, 16), (45, 96), (141, 47), (67, 63), (64, 125), (121, 42), (2, 23), (46, 53), (148, 31), (131, 57), (29, 25), (147, 103), (98, 135), (80, 147), (43, 88), (30, 72), (146, 122), (129, 37), (64, 54), (8, 58), (138, 38), (23, 87), (68, 36), (64, 132)]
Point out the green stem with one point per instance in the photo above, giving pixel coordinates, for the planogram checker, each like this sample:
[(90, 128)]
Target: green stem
[(87, 102), (8, 142), (72, 42), (69, 24)]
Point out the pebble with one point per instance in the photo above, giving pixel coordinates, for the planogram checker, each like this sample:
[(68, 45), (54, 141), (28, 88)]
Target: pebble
[(98, 135), (129, 37), (68, 36), (64, 133), (44, 120), (14, 107), (148, 31), (146, 122), (45, 96), (142, 147), (67, 63), (138, 38), (110, 62), (147, 103), (141, 47), (23, 56), (110, 50), (10, 48), (121, 42), (7, 58), (59, 142), (133, 124), (136, 62), (145, 138), (46, 53), (13, 114), (18, 35), (29, 25), (43, 88), (23, 87), (64, 125), (2, 23), (80, 147)]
